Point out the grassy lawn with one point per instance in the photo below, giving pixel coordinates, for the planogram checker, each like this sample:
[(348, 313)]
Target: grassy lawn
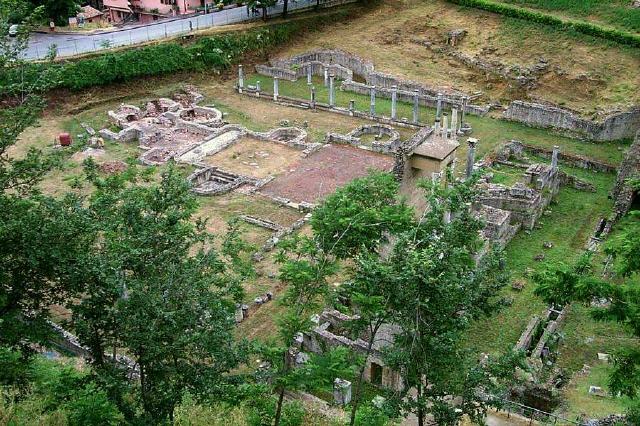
[(579, 401), (505, 175), (615, 13), (490, 131), (571, 220)]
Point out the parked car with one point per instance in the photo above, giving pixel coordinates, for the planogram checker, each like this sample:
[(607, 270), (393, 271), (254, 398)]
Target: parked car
[(13, 30)]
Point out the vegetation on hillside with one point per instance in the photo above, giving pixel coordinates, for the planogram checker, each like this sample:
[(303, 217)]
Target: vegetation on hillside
[(614, 13), (588, 28)]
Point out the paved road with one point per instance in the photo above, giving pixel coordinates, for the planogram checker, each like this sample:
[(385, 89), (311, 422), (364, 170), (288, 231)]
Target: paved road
[(70, 45)]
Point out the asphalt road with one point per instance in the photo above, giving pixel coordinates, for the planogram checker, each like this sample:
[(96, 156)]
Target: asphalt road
[(70, 45)]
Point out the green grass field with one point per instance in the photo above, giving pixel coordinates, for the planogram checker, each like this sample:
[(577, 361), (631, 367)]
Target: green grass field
[(572, 218)]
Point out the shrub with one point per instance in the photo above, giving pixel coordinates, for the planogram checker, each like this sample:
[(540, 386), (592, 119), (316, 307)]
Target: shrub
[(91, 406), (261, 412)]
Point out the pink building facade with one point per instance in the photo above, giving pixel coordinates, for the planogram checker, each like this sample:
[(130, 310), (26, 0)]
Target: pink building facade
[(146, 11)]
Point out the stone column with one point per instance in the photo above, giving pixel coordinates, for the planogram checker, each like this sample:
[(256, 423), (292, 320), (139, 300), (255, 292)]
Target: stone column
[(554, 158), (372, 104), (446, 216), (463, 113), (471, 156), (309, 74), (436, 127), (341, 391), (313, 97), (394, 100), (416, 105), (240, 78), (326, 77), (439, 106), (352, 107), (258, 88), (454, 124), (332, 95), (445, 125), (276, 88)]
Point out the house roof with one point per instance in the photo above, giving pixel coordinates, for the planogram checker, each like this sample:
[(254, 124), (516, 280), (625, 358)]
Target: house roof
[(436, 147), (88, 12)]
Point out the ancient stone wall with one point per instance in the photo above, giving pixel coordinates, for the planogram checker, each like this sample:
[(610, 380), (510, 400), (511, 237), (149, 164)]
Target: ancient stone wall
[(616, 126), (623, 194), (517, 149), (327, 335)]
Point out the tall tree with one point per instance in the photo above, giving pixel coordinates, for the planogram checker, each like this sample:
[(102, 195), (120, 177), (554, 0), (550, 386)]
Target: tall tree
[(305, 267), (371, 293), (444, 285), (361, 215), (357, 221), (561, 284), (58, 11), (40, 237), (157, 290)]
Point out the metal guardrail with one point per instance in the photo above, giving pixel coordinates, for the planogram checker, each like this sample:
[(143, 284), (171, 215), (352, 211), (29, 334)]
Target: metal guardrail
[(89, 43), (533, 414)]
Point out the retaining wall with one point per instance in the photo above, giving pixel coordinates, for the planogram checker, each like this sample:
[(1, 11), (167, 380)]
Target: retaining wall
[(617, 126)]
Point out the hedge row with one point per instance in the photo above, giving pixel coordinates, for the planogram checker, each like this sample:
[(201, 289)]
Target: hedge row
[(543, 18), (207, 53)]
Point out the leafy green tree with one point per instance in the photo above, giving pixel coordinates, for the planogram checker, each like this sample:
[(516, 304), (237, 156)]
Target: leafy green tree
[(562, 284), (361, 215), (371, 292), (92, 406), (157, 290), (40, 237), (305, 267), (58, 10), (444, 286)]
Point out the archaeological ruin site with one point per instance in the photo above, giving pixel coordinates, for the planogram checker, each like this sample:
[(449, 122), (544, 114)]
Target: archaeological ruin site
[(539, 123)]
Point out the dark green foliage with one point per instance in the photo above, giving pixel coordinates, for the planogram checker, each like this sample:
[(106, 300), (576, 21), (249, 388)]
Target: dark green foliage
[(546, 19), (359, 215), (208, 53), (57, 387), (155, 287), (561, 284), (262, 412), (58, 11)]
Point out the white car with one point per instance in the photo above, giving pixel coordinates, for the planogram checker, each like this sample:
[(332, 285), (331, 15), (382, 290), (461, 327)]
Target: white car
[(13, 30)]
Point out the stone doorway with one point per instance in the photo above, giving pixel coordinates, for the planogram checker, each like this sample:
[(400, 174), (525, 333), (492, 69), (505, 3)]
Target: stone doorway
[(376, 374)]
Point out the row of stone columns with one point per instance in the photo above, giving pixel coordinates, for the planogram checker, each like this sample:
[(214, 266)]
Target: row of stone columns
[(329, 81)]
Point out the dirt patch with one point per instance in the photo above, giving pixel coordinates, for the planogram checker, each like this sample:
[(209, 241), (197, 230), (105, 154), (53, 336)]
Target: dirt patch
[(583, 73), (256, 158), (320, 174)]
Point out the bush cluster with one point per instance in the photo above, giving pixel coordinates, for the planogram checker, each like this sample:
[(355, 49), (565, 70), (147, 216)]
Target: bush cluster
[(546, 19), (207, 53)]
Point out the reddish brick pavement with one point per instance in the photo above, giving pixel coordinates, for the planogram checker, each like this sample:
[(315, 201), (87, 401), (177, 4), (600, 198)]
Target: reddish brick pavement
[(321, 173)]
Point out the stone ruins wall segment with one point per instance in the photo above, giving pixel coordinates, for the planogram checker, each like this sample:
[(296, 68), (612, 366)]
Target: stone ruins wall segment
[(623, 194), (617, 126)]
